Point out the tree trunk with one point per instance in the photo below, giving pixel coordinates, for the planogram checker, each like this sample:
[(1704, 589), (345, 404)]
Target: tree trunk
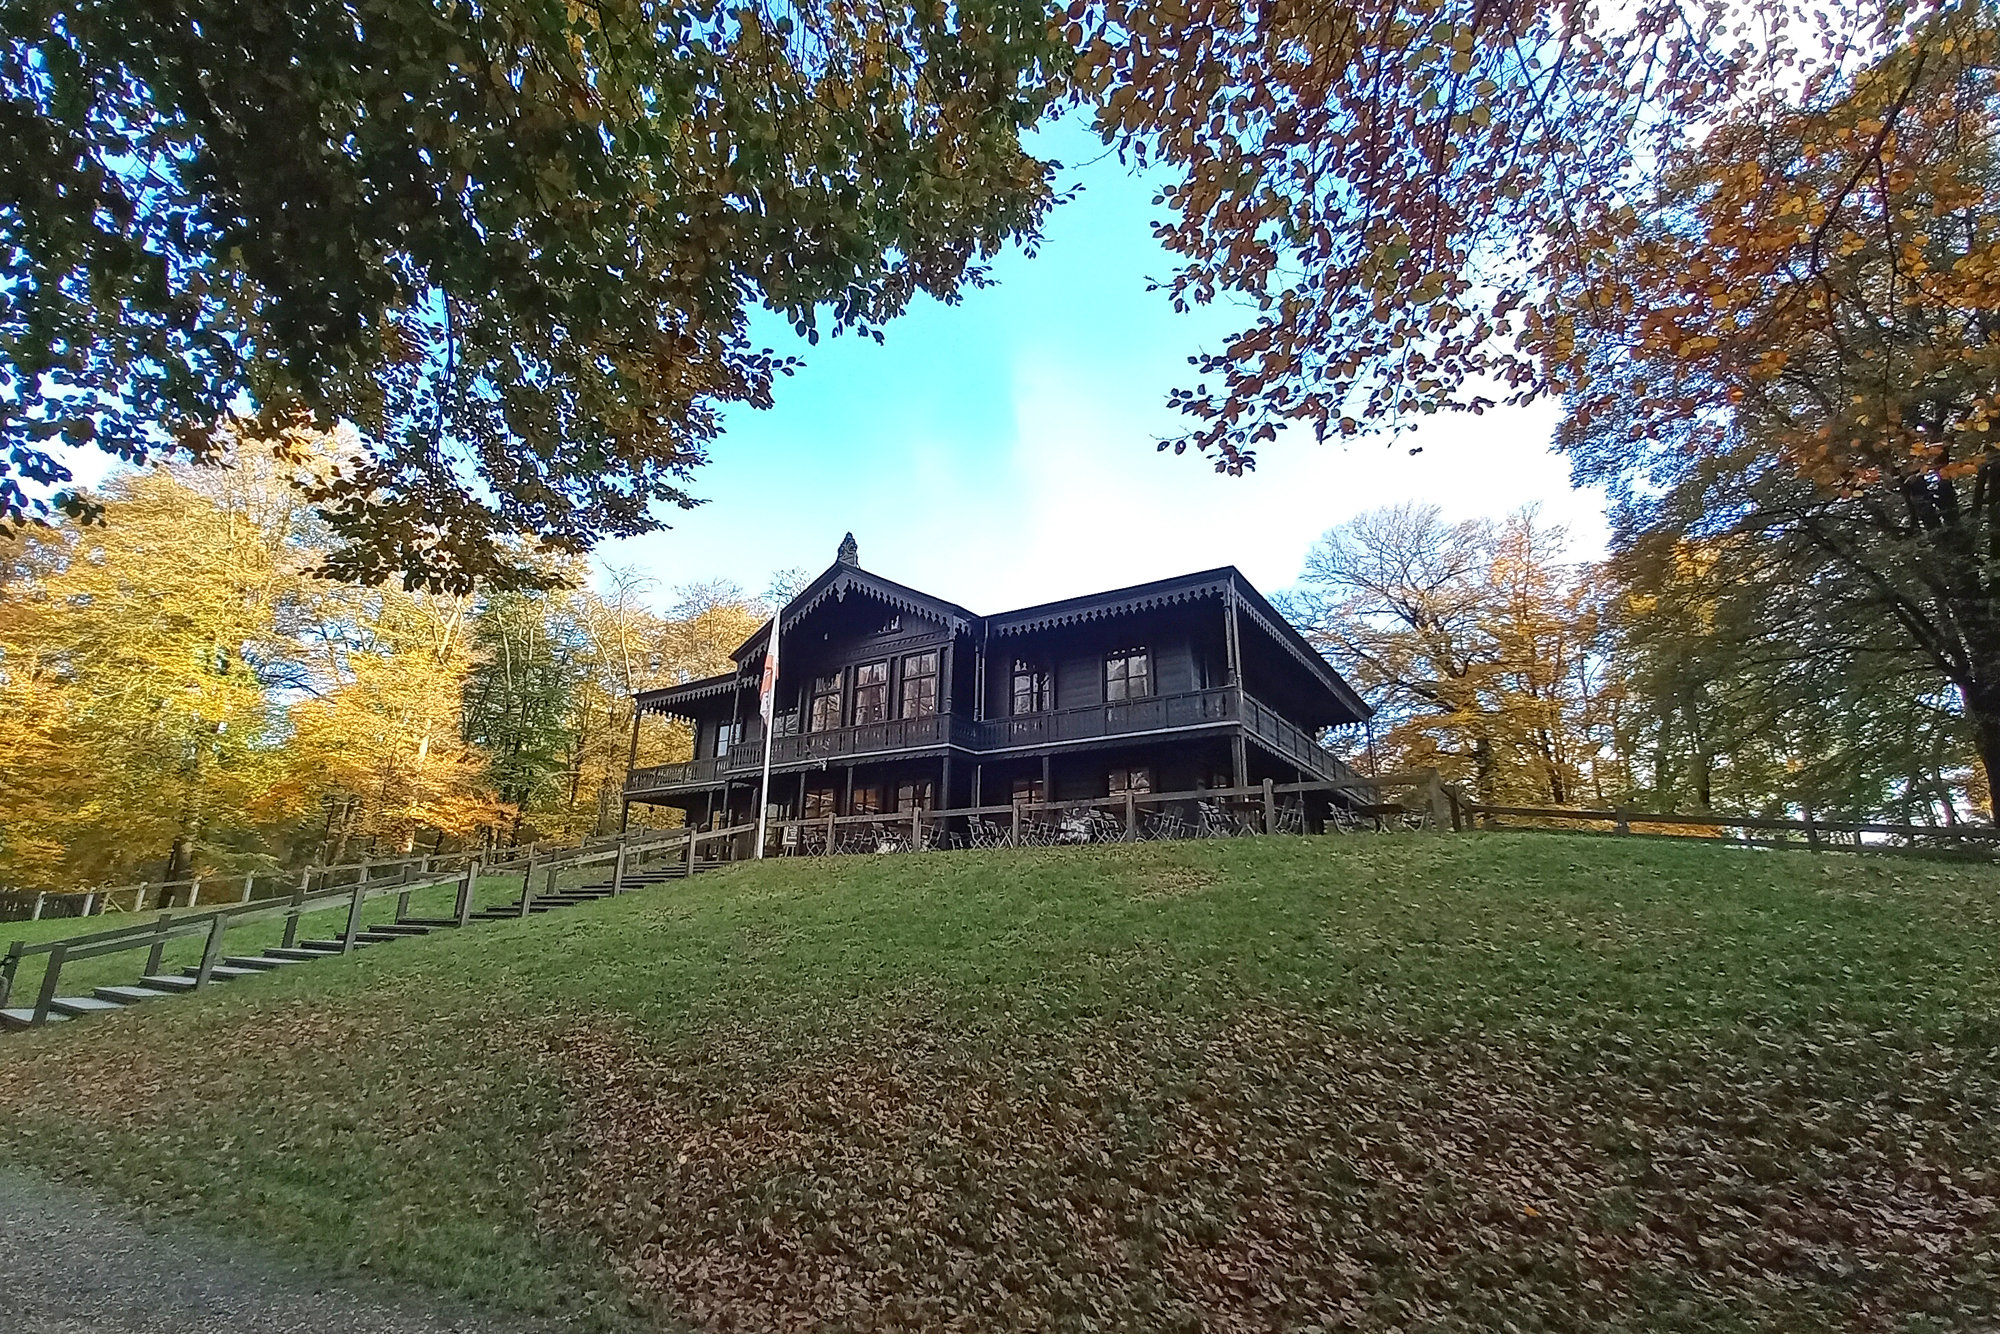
[(1983, 707)]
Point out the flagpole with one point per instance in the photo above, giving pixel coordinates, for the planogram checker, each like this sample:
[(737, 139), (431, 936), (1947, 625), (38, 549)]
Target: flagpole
[(769, 710)]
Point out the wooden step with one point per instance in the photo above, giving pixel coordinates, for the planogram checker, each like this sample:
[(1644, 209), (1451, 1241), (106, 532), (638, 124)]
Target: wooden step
[(298, 955), (26, 1018), (128, 995), (82, 1005), (374, 937), (333, 946), (429, 921), (223, 972), (262, 962), (401, 929), (168, 982)]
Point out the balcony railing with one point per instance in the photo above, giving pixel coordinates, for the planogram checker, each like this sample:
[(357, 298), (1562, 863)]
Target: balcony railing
[(1156, 713)]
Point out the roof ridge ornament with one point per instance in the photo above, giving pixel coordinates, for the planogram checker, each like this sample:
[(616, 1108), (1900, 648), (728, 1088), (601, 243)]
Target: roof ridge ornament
[(850, 552)]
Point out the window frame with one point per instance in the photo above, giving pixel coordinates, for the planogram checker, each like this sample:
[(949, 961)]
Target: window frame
[(854, 717), (1040, 692), (1128, 772), (1118, 672), (908, 679), (828, 687)]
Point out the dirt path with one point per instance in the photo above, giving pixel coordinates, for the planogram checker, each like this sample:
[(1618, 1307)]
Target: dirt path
[(71, 1265)]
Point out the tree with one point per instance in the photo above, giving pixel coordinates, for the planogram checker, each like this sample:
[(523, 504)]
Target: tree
[(1800, 354), (513, 244), (1411, 194), (138, 724), (1477, 643)]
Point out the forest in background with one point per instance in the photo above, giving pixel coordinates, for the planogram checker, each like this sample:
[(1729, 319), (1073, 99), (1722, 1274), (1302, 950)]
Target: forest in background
[(181, 693)]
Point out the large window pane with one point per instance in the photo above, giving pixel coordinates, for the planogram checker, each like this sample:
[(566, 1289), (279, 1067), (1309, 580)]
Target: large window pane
[(825, 703), (1031, 688), (920, 685), (871, 692), (1128, 674)]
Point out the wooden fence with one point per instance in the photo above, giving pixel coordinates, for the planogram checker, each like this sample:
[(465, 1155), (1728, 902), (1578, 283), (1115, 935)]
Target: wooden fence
[(1814, 834), (625, 854)]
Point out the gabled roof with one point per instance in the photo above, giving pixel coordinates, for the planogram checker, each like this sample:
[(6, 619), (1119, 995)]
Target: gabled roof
[(1250, 604), (836, 583), (657, 701)]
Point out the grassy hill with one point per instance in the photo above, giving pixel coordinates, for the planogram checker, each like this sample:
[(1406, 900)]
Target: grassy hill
[(1417, 1082)]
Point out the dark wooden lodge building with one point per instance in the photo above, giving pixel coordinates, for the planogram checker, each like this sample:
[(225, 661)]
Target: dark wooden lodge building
[(889, 699)]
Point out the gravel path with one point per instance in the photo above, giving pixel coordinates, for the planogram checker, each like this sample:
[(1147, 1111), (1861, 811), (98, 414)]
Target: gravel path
[(71, 1265)]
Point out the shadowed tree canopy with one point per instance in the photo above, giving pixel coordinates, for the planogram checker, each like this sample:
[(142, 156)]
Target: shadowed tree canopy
[(1407, 195), (514, 244)]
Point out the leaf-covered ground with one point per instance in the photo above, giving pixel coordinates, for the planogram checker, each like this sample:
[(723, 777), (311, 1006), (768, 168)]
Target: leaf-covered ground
[(1507, 1082)]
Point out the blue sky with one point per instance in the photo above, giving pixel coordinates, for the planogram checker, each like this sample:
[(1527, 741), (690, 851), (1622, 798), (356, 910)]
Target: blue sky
[(1000, 452)]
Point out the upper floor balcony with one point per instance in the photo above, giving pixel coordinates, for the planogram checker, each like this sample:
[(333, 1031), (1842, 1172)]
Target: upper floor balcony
[(1219, 708)]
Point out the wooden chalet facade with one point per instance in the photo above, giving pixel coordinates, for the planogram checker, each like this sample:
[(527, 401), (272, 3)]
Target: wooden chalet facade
[(889, 698)]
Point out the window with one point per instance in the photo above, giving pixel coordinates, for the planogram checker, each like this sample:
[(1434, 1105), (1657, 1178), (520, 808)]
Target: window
[(871, 692), (819, 803), (914, 797), (726, 735), (867, 801), (1128, 674), (1135, 781), (786, 723), (893, 625), (1027, 789), (825, 703), (1031, 688), (920, 684)]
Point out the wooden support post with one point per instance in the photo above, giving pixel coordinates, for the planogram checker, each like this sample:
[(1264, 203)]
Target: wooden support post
[(690, 852), (292, 917), (211, 953), (139, 898), (8, 967), (978, 784), (353, 916), (1270, 809), (831, 833), (90, 904), (1434, 793), (249, 887), (916, 828), (1048, 779), (50, 980), (1619, 824), (194, 893), (1014, 833), (41, 897), (618, 870), (154, 955), (1131, 817), (465, 887), (528, 883), (1812, 832)]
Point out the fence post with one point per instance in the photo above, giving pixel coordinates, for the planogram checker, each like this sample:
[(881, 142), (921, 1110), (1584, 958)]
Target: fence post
[(528, 883), (690, 852), (1619, 824), (139, 898), (916, 828), (465, 886), (90, 903), (1812, 832), (49, 982), (1131, 817), (618, 870), (154, 955), (8, 967), (194, 892), (298, 899), (1434, 791), (830, 834), (353, 916), (212, 952), (1270, 809), (249, 884), (1014, 833), (35, 913)]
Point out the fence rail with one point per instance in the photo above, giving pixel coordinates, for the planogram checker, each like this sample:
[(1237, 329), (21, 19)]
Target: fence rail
[(624, 853), (1816, 834)]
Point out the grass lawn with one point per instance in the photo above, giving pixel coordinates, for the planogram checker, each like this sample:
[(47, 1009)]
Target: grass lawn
[(1419, 1082)]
